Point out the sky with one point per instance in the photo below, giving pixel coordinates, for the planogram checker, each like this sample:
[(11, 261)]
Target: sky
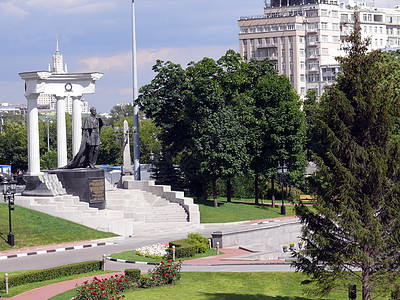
[(96, 36)]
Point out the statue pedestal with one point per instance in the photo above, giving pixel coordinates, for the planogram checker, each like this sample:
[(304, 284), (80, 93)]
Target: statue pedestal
[(87, 184)]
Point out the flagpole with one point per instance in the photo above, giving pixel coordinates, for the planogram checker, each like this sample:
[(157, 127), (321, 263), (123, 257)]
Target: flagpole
[(136, 141)]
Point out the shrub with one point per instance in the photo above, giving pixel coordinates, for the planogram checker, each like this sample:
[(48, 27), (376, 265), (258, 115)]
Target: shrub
[(182, 249), (105, 288), (199, 241), (51, 273), (165, 273), (113, 287), (134, 274)]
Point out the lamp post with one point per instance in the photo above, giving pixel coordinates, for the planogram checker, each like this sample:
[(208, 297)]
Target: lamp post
[(282, 171), (9, 188)]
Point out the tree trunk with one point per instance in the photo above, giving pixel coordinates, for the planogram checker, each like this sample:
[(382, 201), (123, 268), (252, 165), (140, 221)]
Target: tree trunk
[(228, 190), (273, 192), (204, 186), (214, 187), (366, 289), (256, 189)]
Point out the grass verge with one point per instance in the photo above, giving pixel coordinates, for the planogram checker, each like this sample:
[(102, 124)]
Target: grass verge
[(227, 286), (32, 228), (132, 256), (238, 210)]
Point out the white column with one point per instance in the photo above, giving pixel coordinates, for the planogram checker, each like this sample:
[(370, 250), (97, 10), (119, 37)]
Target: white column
[(61, 133), (76, 124), (33, 135)]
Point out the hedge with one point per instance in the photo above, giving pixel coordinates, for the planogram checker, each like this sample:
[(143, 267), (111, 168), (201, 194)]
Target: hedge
[(182, 249), (51, 273), (133, 273)]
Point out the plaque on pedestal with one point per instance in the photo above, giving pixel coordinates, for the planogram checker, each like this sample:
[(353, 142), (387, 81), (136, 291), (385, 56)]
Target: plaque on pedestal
[(87, 184)]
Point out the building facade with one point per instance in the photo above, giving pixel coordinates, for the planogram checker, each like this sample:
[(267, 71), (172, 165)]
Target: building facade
[(303, 37)]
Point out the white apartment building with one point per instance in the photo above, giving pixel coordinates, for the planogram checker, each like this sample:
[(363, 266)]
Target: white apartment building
[(303, 37), (47, 102)]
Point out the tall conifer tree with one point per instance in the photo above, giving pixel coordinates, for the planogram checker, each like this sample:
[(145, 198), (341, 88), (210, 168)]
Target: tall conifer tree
[(355, 223)]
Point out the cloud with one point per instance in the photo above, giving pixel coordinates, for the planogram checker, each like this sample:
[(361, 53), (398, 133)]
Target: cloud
[(71, 6), (9, 9), (146, 58)]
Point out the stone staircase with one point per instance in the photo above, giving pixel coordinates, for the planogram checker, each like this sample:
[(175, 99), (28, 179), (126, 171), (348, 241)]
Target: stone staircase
[(128, 212)]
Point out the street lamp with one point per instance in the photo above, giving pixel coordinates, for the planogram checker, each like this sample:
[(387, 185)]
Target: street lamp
[(282, 171), (9, 188)]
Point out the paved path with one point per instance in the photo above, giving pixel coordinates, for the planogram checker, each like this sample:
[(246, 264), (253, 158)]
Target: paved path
[(48, 291)]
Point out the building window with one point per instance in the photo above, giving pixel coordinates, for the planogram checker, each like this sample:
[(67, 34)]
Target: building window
[(335, 26), (244, 29), (267, 41), (302, 77), (291, 26), (266, 28), (282, 27), (252, 29), (274, 27), (324, 25), (302, 52), (302, 65), (259, 28), (324, 38), (259, 41)]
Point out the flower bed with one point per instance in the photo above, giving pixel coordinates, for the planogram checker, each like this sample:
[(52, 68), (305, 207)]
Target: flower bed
[(153, 251), (165, 273)]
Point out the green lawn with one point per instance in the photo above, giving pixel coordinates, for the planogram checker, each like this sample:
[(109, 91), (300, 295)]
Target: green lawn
[(228, 286), (132, 256), (238, 210), (32, 228)]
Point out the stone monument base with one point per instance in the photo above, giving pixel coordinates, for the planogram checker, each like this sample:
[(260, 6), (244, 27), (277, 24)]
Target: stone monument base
[(43, 185), (87, 184)]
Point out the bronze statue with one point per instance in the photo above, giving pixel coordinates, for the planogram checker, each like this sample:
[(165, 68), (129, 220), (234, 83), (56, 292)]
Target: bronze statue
[(89, 149)]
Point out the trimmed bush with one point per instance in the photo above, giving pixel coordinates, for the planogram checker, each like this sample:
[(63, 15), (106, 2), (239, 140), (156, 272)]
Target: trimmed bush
[(199, 241), (182, 249), (56, 272), (134, 274)]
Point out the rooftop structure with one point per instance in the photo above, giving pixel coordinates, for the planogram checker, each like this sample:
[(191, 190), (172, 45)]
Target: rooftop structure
[(303, 37), (47, 102)]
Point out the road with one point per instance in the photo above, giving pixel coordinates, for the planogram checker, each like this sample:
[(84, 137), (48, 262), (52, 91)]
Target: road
[(48, 260)]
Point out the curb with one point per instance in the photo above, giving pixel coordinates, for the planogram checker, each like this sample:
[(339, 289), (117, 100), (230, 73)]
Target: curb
[(131, 261), (55, 250)]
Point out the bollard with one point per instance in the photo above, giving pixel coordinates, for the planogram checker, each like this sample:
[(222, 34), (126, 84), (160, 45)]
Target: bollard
[(173, 253), (104, 262), (6, 280), (209, 243), (352, 291), (217, 248)]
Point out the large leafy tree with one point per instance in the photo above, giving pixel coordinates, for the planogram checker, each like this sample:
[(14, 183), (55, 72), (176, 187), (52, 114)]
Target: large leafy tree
[(279, 130), (353, 232)]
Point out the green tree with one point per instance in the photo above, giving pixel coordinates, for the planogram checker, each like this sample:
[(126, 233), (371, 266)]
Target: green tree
[(149, 142), (14, 146), (355, 223)]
